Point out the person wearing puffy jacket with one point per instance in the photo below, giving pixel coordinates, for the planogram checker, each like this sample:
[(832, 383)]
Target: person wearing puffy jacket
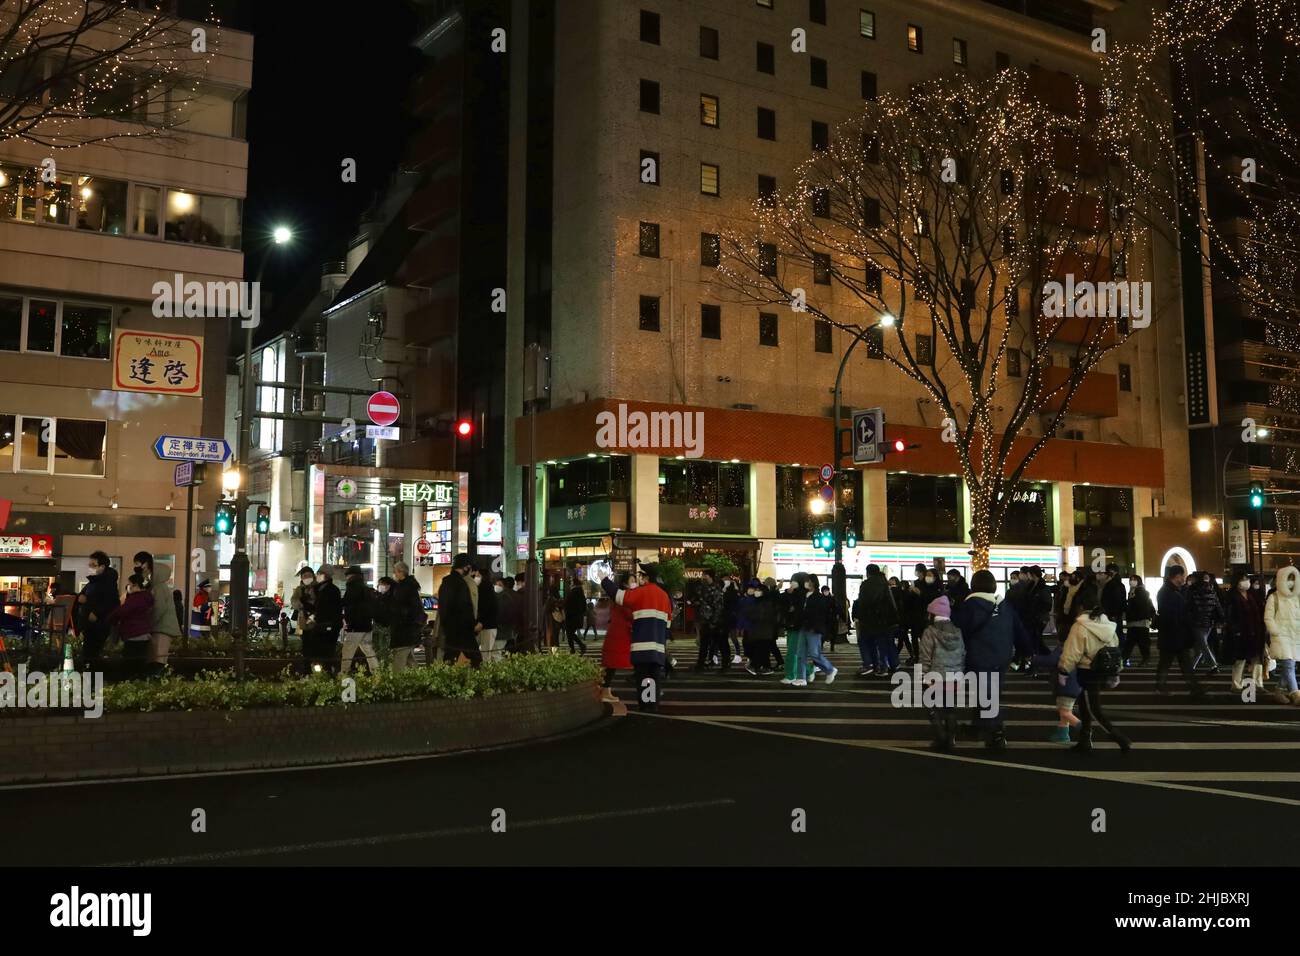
[(1282, 621), (1090, 632), (942, 651)]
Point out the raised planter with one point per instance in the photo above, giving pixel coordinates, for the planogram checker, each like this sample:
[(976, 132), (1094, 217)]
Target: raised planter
[(135, 744)]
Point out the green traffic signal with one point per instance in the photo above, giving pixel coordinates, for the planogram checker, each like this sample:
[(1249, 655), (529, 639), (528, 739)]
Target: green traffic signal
[(225, 518), (263, 519), (850, 539), (1256, 495)]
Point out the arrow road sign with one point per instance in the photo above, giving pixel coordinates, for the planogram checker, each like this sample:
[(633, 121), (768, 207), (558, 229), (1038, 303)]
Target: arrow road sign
[(868, 432), (181, 448)]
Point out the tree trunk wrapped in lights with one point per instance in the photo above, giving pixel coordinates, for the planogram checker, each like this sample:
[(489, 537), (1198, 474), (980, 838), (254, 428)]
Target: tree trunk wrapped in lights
[(958, 210)]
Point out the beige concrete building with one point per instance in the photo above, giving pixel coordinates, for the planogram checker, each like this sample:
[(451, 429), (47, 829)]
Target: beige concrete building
[(714, 94), (90, 376)]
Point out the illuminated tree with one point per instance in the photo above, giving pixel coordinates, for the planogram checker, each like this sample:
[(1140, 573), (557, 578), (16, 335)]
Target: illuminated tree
[(954, 210), (78, 71)]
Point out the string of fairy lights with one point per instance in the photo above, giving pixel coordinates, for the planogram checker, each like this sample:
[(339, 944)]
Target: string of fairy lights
[(946, 207), (133, 66)]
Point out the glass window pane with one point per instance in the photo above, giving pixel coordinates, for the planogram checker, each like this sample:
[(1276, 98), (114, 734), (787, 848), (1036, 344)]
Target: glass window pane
[(206, 220), (40, 325), (101, 205), (19, 187), (87, 330), (7, 425), (11, 323), (79, 447), (144, 214), (34, 450), (58, 200)]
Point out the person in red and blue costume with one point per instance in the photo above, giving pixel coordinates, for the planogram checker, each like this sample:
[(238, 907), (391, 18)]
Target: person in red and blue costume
[(652, 613)]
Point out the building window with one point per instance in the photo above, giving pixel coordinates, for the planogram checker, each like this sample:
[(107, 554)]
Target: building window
[(709, 179), (968, 293), (915, 159), (867, 24), (710, 321), (1002, 60), (708, 110), (710, 249), (821, 136), (765, 3), (1008, 240), (1119, 264), (767, 328), (766, 123), (1013, 363), (922, 223), (964, 231), (767, 259), (797, 486), (821, 336), (1013, 303), (1007, 182), (203, 220), (922, 507), (821, 268), (766, 187), (921, 288), (924, 350), (145, 203), (649, 27), (1103, 518), (872, 284), (958, 51), (649, 168), (649, 96), (20, 192), (708, 43), (817, 11), (649, 313), (870, 148), (915, 39), (821, 202), (1028, 516), (1125, 378), (571, 484), (70, 329), (817, 72), (871, 212), (766, 58), (875, 343), (649, 239), (710, 496), (868, 85), (1122, 325), (48, 446), (101, 205)]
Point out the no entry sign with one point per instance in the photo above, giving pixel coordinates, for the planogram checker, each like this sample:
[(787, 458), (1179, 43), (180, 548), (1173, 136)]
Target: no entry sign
[(423, 546), (383, 408)]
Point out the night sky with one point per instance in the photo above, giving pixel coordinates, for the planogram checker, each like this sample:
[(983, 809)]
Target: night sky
[(325, 86)]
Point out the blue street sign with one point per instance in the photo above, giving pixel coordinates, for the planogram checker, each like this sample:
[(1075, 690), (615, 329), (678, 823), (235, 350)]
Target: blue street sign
[(868, 432), (178, 448)]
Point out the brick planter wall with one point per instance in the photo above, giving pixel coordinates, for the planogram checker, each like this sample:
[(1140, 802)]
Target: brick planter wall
[(133, 744)]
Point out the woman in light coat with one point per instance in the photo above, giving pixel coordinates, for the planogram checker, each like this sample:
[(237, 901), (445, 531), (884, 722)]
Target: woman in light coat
[(1282, 621)]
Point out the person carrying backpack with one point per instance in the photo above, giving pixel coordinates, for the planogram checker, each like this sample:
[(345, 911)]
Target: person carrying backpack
[(1092, 650)]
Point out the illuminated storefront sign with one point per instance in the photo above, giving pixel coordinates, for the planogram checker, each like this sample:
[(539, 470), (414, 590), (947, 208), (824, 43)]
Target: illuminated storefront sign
[(158, 363), (25, 546), (899, 560), (428, 492)]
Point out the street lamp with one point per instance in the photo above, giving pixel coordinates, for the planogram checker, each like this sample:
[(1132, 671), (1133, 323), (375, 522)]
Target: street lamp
[(239, 562), (817, 506), (1203, 525), (839, 583), (230, 480)]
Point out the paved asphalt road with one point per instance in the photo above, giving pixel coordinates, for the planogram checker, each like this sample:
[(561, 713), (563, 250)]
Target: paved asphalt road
[(717, 777)]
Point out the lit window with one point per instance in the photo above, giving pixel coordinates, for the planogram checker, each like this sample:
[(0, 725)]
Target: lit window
[(867, 24), (958, 51), (914, 38), (709, 185), (708, 110)]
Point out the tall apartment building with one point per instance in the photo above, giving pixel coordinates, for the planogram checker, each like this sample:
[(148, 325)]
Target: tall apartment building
[(90, 377), (617, 278)]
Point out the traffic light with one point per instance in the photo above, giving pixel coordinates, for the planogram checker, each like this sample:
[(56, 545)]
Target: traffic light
[(824, 538), (1256, 495), (464, 428), (225, 519), (263, 519), (850, 538)]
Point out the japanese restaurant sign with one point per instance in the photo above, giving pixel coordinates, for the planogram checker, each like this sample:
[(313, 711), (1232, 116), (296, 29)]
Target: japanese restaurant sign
[(25, 546), (155, 362)]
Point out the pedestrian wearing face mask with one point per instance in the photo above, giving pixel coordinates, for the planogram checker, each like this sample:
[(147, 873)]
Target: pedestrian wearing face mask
[(97, 600), (321, 642), (1245, 635), (406, 617), (508, 605), (1139, 612), (616, 652), (303, 599), (166, 627), (488, 611), (816, 622)]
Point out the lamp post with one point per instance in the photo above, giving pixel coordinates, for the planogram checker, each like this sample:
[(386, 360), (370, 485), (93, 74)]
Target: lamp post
[(839, 583), (239, 563)]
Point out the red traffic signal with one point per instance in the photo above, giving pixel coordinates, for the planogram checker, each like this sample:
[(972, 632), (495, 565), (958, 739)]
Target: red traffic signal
[(464, 428), (900, 445)]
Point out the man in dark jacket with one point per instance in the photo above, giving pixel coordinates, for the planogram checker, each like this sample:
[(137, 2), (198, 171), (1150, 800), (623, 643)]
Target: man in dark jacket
[(97, 600), (358, 621), (1113, 597), (708, 615), (991, 634), (1205, 611), (575, 615), (456, 616), (489, 614), (1174, 639), (320, 641), (876, 618), (957, 589), (405, 615)]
